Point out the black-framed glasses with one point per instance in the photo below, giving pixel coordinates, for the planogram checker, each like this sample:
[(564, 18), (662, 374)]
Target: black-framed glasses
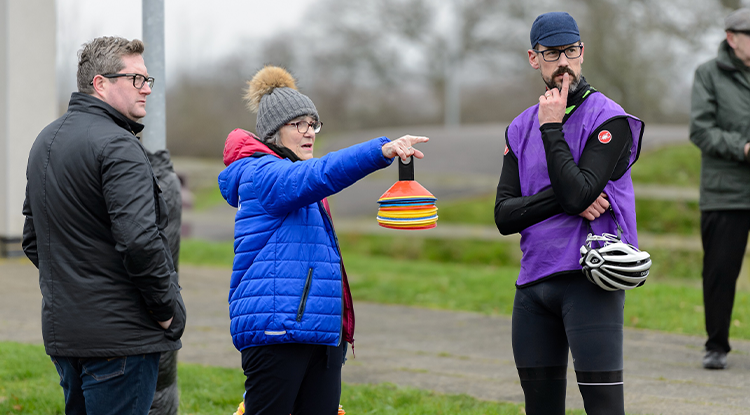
[(552, 55), (303, 126), (138, 79)]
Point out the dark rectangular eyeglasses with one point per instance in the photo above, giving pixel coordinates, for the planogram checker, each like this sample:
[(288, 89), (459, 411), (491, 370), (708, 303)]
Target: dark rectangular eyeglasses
[(552, 55), (138, 79)]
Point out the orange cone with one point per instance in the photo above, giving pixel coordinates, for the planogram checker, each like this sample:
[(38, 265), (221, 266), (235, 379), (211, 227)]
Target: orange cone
[(407, 205)]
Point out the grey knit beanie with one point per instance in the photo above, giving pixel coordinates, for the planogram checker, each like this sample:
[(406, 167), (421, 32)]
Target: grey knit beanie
[(273, 94)]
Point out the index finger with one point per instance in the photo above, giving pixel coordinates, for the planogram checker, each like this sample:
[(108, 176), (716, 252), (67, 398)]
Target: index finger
[(565, 84), (413, 139)]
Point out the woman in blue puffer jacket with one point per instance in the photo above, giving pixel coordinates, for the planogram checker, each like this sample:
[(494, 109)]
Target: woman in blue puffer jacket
[(289, 298)]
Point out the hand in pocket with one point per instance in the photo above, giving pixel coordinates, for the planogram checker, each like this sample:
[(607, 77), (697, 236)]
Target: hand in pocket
[(175, 330)]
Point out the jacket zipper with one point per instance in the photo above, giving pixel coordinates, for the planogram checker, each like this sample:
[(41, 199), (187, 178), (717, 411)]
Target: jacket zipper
[(305, 293)]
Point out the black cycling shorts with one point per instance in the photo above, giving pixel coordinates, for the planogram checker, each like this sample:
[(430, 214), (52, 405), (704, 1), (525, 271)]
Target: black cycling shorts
[(568, 312)]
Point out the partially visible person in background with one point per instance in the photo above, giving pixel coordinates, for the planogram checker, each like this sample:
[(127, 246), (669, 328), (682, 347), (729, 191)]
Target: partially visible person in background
[(720, 127), (289, 298), (94, 228), (167, 398)]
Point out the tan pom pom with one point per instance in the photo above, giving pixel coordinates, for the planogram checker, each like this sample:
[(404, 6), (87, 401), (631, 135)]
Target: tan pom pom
[(264, 82)]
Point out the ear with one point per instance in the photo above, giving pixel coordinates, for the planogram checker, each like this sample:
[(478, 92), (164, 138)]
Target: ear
[(583, 51), (533, 59), (731, 40), (100, 85)]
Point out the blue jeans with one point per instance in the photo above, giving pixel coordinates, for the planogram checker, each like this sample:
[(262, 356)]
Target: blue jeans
[(100, 386)]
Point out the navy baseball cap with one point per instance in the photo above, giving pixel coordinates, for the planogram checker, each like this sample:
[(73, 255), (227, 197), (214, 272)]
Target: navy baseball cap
[(554, 29)]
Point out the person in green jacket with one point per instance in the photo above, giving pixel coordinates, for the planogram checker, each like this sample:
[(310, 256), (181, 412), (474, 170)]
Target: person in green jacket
[(720, 127)]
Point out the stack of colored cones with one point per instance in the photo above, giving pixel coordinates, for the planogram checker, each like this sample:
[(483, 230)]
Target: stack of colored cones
[(407, 205)]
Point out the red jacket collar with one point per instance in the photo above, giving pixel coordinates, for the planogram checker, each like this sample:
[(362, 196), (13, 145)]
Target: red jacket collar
[(241, 144)]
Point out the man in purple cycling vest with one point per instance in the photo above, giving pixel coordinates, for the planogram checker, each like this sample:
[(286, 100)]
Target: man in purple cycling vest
[(566, 162)]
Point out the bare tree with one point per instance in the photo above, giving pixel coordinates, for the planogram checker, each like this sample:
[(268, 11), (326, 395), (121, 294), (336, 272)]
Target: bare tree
[(202, 108), (731, 4), (394, 44), (384, 63), (636, 49)]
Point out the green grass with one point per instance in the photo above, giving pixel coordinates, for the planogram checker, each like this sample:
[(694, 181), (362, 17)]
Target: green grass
[(680, 310), (668, 217), (206, 253), (667, 265), (654, 216), (472, 211), (390, 399), (456, 251), (207, 197), (483, 289), (667, 306), (671, 300), (209, 390), (29, 384), (199, 252), (669, 166)]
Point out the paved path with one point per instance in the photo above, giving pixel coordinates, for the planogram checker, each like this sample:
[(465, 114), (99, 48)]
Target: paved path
[(450, 352)]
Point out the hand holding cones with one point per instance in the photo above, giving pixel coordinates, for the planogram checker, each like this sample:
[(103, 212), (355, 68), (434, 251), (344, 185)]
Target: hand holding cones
[(403, 147), (407, 205)]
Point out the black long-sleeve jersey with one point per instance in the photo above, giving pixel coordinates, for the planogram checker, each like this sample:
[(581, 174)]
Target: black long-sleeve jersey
[(574, 187)]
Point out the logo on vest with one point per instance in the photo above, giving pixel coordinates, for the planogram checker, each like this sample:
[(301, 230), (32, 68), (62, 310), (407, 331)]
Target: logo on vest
[(506, 150), (605, 137)]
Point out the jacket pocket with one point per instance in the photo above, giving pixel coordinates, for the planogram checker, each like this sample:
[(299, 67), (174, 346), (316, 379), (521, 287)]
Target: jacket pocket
[(305, 293), (175, 330)]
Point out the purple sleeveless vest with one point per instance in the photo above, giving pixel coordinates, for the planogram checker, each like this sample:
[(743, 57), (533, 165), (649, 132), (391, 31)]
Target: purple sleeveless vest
[(553, 245)]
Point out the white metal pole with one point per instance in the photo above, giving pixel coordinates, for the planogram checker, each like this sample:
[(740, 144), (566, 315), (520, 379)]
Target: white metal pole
[(154, 136), (453, 67)]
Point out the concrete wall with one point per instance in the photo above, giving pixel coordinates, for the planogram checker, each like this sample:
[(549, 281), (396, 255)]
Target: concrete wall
[(27, 102)]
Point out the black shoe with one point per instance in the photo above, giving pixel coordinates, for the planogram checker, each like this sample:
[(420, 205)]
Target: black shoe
[(715, 359)]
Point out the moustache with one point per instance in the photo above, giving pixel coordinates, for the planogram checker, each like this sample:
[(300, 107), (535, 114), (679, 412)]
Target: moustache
[(562, 71)]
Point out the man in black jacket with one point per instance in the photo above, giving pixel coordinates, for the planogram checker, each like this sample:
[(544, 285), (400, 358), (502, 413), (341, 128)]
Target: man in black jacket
[(94, 228)]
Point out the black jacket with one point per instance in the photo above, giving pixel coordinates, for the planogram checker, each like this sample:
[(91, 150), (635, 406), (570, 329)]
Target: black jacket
[(94, 227)]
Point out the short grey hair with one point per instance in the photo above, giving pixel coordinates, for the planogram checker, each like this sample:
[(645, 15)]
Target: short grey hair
[(103, 55), (274, 139)]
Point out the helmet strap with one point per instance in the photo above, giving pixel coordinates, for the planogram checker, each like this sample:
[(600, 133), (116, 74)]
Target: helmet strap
[(614, 218), (619, 229)]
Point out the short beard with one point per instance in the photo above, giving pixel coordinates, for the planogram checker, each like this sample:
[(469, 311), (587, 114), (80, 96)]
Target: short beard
[(574, 80)]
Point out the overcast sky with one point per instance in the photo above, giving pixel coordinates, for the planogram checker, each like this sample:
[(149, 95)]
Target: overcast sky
[(196, 31)]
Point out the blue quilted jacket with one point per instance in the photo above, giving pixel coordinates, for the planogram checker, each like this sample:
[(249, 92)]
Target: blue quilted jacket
[(286, 284)]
